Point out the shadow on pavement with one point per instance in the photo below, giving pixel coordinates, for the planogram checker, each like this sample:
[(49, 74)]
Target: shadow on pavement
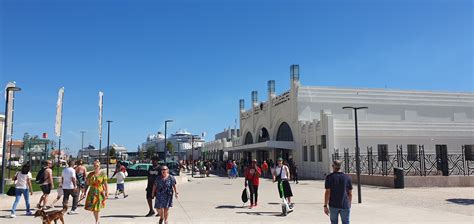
[(461, 201), (261, 213), (122, 216), (228, 207)]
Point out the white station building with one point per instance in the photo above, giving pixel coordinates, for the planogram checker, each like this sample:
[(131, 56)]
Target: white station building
[(307, 124)]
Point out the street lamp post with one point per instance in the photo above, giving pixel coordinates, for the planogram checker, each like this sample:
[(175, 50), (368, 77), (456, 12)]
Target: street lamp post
[(5, 128), (166, 143), (192, 153), (355, 109), (179, 151), (108, 146), (82, 143)]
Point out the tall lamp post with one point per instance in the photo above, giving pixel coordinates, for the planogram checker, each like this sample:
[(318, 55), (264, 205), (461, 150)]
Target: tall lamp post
[(108, 146), (192, 153), (166, 143), (355, 109), (82, 143), (5, 128)]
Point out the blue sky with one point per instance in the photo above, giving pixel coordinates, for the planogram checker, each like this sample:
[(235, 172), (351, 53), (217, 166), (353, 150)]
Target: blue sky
[(192, 61)]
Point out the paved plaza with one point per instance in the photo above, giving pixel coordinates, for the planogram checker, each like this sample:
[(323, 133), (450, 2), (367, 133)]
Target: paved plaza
[(217, 200)]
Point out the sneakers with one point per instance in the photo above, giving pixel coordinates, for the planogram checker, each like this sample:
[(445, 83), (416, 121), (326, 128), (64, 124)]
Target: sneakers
[(125, 196), (29, 213), (151, 213), (116, 197), (251, 206), (73, 212), (12, 216)]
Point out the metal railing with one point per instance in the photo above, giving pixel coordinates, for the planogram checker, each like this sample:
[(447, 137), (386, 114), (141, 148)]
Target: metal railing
[(419, 164)]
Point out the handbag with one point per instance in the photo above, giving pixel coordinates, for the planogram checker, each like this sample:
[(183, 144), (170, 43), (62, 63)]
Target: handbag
[(245, 196), (11, 191)]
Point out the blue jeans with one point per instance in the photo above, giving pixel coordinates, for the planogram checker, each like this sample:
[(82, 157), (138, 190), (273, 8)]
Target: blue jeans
[(334, 215), (18, 193)]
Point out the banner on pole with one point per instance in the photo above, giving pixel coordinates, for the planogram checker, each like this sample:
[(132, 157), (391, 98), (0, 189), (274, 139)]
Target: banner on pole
[(101, 96), (59, 112), (11, 99)]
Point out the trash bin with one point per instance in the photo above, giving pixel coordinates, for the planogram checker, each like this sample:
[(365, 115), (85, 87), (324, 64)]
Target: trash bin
[(399, 178)]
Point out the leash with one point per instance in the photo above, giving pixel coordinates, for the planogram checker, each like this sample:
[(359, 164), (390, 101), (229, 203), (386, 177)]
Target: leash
[(185, 212)]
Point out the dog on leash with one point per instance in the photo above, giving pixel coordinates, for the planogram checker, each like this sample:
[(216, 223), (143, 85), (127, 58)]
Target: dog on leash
[(51, 216)]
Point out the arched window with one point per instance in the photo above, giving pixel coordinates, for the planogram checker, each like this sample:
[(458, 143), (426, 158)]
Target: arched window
[(284, 133), (248, 139), (263, 135)]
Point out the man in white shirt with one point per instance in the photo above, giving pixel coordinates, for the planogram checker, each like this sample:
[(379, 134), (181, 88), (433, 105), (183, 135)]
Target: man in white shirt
[(69, 182)]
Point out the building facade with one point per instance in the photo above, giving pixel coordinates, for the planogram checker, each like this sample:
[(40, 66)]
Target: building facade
[(215, 150), (90, 153), (307, 125)]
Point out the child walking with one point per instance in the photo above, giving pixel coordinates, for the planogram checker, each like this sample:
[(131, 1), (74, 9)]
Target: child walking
[(121, 183)]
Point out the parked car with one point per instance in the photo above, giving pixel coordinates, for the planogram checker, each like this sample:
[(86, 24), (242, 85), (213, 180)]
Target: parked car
[(125, 163), (139, 169), (173, 166)]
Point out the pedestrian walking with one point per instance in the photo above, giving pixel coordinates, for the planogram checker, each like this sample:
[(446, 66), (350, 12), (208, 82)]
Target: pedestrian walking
[(81, 173), (96, 181), (229, 168), (59, 195), (252, 180), (164, 188), (265, 168), (153, 173), (295, 174), (234, 173), (69, 183), (282, 175), (120, 176), (338, 195), (45, 179), (22, 187)]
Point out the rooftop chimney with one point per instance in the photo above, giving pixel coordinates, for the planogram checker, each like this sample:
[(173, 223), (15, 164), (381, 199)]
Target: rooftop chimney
[(271, 87), (295, 73), (254, 98)]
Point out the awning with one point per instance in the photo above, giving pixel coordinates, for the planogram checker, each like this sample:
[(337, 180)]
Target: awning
[(263, 146)]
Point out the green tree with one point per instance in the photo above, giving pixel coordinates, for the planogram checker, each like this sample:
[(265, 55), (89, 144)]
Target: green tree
[(170, 147), (150, 151), (141, 153), (112, 153)]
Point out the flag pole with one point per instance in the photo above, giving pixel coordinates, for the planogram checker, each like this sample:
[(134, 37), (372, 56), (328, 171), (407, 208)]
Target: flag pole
[(58, 126)]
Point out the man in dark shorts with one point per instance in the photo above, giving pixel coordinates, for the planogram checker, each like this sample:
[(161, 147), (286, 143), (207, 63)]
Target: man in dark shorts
[(153, 173), (47, 184), (338, 194)]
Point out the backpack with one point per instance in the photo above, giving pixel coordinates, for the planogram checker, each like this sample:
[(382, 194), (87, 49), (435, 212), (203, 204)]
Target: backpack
[(40, 176)]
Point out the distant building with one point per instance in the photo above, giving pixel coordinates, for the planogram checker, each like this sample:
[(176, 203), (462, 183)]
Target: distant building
[(214, 150), (90, 153), (181, 142), (15, 150)]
